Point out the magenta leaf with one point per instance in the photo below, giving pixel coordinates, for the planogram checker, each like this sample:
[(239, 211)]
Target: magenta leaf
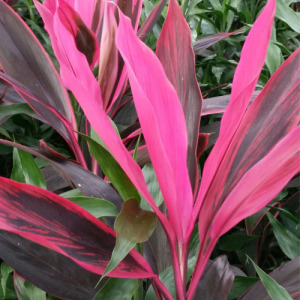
[(257, 152), (244, 82), (132, 9), (174, 50), (259, 130), (162, 122), (33, 219), (85, 39)]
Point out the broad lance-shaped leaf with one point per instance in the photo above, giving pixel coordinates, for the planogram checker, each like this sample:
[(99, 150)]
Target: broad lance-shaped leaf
[(88, 183), (84, 86), (250, 157), (174, 50), (31, 70), (264, 124), (219, 104), (162, 122), (245, 78), (61, 230)]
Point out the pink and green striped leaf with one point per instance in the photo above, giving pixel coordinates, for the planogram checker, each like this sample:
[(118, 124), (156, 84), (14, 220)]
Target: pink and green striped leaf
[(174, 50), (41, 232)]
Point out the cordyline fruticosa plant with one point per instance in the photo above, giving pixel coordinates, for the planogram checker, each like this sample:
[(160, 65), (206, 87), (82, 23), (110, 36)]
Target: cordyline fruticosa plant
[(63, 249)]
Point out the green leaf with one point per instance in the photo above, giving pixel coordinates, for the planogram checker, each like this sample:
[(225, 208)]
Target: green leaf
[(234, 242), (133, 225), (286, 14), (27, 291), (25, 170), (240, 285), (18, 108), (95, 206), (118, 288), (153, 187), (276, 291), (72, 193), (112, 170), (287, 241), (6, 270), (274, 57), (216, 4)]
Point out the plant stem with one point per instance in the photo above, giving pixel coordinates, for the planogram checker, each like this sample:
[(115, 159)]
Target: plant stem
[(157, 284)]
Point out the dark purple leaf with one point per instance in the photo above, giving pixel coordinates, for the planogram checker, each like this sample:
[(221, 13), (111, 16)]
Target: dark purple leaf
[(9, 94), (88, 183), (216, 281), (204, 43), (218, 104), (213, 130), (23, 59), (30, 71)]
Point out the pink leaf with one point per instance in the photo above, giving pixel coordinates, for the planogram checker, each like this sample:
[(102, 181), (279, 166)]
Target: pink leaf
[(163, 124), (174, 50)]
